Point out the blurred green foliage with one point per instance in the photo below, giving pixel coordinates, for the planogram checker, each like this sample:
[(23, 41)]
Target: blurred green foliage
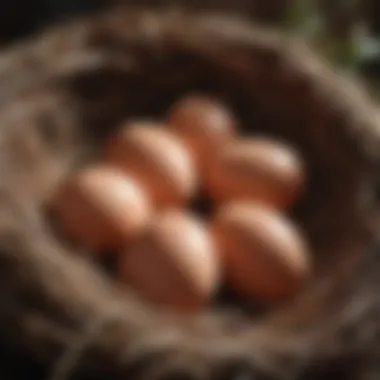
[(341, 33)]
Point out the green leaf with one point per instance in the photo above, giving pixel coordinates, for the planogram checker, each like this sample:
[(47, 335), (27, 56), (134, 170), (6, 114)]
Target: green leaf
[(299, 13)]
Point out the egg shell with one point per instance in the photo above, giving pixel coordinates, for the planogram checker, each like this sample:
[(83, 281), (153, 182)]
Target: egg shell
[(264, 256), (204, 123), (174, 264), (157, 159), (101, 208), (256, 169)]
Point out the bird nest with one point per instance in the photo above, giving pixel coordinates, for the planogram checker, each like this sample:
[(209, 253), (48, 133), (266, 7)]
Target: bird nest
[(62, 94)]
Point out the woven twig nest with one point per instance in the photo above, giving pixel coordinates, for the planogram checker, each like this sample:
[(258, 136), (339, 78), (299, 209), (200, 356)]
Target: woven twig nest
[(60, 97), (15, 24)]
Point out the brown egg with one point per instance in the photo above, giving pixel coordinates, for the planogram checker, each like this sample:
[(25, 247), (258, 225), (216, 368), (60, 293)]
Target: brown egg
[(204, 123), (101, 208), (256, 169), (174, 264), (157, 159), (264, 256)]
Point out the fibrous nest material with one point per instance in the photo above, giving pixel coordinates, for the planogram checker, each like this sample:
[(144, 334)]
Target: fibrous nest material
[(63, 93)]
